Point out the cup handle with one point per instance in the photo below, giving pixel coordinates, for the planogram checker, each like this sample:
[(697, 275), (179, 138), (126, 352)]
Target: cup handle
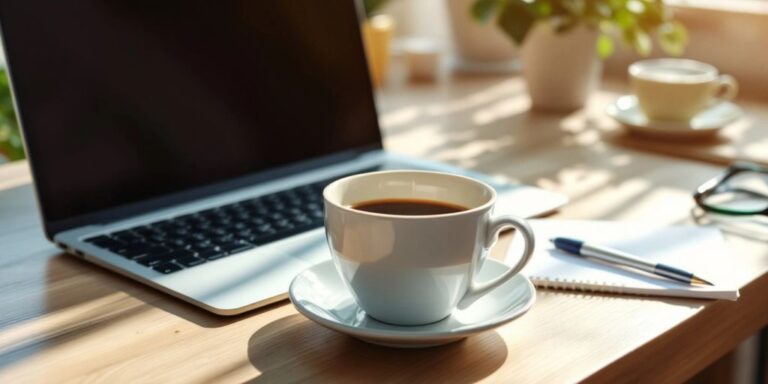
[(727, 87), (493, 227)]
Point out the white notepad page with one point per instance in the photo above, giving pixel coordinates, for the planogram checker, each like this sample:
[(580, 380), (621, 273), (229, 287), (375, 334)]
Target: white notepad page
[(699, 250)]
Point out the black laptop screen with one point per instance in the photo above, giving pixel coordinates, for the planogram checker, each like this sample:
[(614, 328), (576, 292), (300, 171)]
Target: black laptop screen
[(122, 101)]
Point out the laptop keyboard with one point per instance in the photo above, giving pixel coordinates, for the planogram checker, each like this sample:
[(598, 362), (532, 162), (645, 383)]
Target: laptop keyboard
[(185, 241)]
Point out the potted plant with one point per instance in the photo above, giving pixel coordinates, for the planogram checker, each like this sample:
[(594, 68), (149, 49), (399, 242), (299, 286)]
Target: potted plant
[(562, 41), (377, 35)]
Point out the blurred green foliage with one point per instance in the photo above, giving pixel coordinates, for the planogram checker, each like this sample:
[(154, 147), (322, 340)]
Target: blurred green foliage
[(371, 6), (10, 137), (634, 22)]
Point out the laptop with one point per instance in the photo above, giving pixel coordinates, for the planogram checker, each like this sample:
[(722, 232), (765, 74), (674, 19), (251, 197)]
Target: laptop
[(185, 144)]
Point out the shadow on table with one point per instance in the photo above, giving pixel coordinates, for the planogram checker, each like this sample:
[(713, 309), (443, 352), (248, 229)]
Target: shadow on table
[(296, 349)]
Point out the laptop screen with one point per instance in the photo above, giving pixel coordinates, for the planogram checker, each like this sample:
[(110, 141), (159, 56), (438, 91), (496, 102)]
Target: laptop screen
[(123, 101)]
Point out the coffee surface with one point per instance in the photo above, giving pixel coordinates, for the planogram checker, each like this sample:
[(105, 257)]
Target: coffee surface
[(409, 207)]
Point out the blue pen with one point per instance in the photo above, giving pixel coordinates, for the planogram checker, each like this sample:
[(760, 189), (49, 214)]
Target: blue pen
[(580, 248)]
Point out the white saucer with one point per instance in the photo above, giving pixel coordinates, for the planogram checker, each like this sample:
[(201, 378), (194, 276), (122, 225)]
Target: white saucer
[(320, 294), (706, 123)]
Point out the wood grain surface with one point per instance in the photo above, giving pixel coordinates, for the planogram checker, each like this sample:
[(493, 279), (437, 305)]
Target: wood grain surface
[(64, 320)]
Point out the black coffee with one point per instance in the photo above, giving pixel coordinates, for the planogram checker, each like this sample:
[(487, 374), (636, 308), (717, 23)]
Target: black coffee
[(411, 207)]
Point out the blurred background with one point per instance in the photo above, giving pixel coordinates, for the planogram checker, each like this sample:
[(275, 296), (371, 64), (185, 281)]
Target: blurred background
[(412, 41)]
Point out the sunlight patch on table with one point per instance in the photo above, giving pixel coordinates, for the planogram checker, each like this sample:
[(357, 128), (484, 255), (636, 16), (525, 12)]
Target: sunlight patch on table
[(506, 89), (418, 140), (502, 109), (467, 155), (400, 116)]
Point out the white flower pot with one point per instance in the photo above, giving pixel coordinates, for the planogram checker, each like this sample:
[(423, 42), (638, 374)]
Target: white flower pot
[(561, 70)]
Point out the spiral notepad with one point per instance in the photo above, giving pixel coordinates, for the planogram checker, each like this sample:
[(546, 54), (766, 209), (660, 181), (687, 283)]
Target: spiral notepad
[(695, 249)]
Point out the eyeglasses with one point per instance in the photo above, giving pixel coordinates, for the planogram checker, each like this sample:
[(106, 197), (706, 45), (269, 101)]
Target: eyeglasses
[(742, 190)]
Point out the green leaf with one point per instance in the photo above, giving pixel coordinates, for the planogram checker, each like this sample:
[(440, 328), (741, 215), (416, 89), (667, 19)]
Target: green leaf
[(371, 6), (604, 46), (630, 22), (542, 9), (673, 38), (516, 21), (616, 3), (624, 19), (10, 137), (484, 10)]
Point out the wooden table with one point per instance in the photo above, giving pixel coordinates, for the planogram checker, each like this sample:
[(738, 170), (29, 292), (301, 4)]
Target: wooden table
[(63, 320)]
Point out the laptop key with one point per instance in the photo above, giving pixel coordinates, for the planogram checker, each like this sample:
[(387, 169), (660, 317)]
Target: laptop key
[(189, 261), (150, 260), (166, 267), (217, 232), (283, 224), (197, 236), (176, 254), (200, 248), (161, 257), (302, 220), (156, 239), (281, 234), (236, 247), (245, 232), (143, 250), (224, 240), (265, 229), (238, 225), (202, 225), (175, 242), (202, 243), (213, 254)]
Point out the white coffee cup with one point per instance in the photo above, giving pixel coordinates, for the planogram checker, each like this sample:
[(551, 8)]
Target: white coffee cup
[(408, 269), (677, 89)]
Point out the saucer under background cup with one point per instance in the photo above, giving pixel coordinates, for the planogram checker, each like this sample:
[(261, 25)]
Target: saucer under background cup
[(706, 123), (320, 294)]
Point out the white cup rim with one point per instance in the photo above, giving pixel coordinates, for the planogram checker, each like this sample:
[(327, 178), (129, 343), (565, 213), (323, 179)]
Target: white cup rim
[(469, 211), (708, 71)]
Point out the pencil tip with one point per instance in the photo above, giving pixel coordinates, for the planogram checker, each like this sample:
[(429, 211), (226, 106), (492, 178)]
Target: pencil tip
[(699, 280)]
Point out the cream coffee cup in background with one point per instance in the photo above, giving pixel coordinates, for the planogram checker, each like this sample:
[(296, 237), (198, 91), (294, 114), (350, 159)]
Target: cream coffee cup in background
[(412, 269), (677, 89)]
